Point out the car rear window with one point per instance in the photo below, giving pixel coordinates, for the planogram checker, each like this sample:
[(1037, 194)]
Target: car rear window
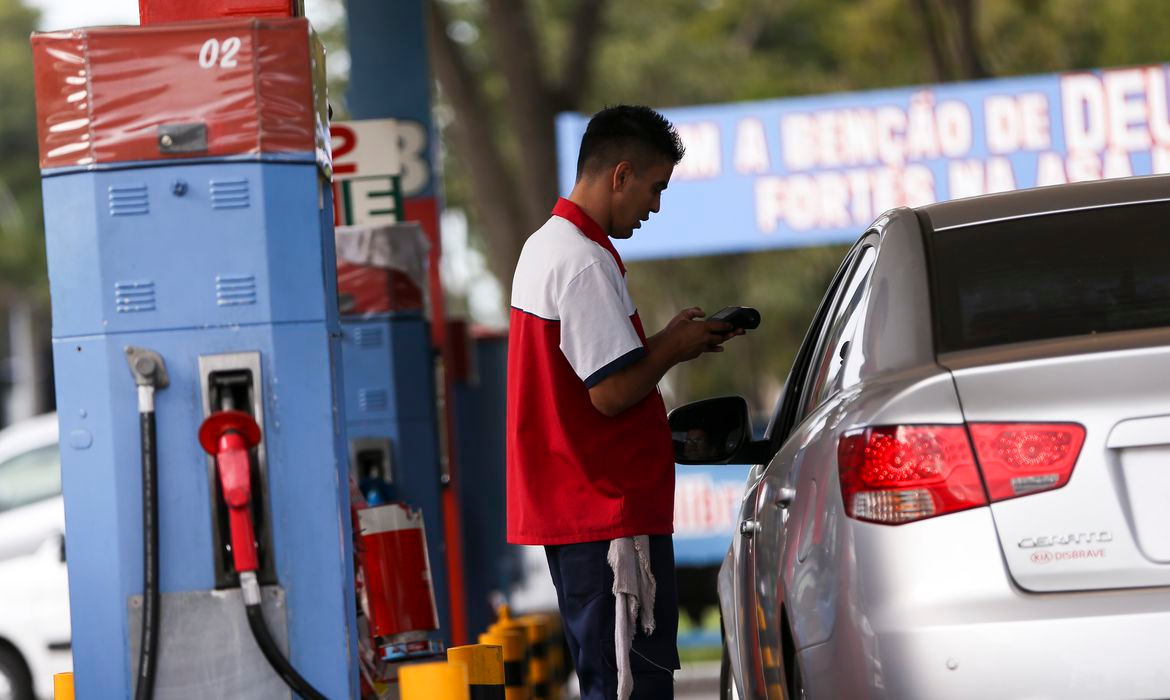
[(1051, 276)]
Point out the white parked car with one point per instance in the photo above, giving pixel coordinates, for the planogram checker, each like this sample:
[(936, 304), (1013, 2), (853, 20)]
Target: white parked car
[(34, 586)]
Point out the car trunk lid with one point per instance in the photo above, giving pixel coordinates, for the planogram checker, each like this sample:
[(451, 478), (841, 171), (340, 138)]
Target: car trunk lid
[(1059, 322), (1109, 526)]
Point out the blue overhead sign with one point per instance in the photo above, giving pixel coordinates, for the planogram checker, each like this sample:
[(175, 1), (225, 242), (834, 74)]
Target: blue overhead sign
[(817, 170)]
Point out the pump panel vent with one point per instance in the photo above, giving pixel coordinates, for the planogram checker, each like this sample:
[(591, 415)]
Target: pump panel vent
[(368, 337), (230, 194), (129, 200), (373, 400), (235, 290), (132, 296)]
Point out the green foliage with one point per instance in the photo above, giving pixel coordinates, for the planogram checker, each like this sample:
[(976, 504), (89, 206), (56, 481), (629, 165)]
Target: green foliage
[(22, 247), (784, 285), (677, 52)]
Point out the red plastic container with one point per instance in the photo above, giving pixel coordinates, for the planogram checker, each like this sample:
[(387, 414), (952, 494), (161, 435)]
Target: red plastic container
[(199, 89), (399, 598), (161, 11)]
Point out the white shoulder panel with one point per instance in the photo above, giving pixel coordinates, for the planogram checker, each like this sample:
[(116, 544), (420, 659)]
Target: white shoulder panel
[(552, 257)]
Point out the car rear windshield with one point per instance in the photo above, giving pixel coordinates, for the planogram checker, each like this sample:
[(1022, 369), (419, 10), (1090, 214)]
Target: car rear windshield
[(1051, 276)]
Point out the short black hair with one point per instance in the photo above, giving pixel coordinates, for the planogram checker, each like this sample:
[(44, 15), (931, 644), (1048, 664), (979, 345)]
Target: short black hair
[(627, 132)]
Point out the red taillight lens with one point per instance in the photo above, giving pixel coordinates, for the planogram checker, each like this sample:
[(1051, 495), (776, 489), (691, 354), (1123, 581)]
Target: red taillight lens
[(1022, 458), (898, 474)]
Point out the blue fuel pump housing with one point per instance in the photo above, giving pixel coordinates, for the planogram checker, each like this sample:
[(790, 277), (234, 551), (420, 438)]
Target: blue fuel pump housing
[(191, 280), (224, 266), (388, 369)]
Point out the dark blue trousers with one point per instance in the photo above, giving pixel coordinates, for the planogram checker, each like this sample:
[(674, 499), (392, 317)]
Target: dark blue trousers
[(584, 584)]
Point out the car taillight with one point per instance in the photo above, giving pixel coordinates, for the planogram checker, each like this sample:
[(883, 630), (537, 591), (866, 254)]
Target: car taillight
[(1022, 458), (898, 474)]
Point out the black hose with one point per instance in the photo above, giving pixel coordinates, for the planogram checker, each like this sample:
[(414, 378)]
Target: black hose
[(148, 649), (279, 664)]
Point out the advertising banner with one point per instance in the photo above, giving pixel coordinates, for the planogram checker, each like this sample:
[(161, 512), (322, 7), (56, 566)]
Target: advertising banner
[(817, 170), (706, 511)]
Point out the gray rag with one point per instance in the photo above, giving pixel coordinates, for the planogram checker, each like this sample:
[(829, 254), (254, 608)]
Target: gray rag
[(634, 588)]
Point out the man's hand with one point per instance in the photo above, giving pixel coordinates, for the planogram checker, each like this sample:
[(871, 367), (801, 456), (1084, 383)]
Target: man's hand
[(684, 338), (683, 316)]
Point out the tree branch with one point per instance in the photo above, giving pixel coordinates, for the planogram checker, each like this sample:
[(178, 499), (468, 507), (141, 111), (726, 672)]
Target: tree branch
[(578, 67), (970, 57), (529, 104), (493, 190), (756, 18), (933, 33)]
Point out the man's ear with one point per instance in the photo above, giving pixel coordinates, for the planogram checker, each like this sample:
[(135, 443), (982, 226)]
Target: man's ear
[(623, 173)]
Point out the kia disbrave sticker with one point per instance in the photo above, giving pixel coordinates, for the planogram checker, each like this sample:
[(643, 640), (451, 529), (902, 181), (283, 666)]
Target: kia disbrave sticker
[(1045, 556), (1047, 549)]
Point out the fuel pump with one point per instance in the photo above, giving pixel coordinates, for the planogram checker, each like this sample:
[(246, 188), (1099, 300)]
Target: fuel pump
[(188, 210), (392, 430), (394, 434)]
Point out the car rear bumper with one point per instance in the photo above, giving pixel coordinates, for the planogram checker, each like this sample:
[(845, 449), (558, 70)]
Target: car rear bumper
[(1104, 656), (931, 612)]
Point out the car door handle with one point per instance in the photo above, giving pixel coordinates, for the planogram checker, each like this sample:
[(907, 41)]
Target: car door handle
[(749, 527), (784, 497)]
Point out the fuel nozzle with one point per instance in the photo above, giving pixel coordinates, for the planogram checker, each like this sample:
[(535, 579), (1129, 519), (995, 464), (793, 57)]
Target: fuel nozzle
[(227, 436)]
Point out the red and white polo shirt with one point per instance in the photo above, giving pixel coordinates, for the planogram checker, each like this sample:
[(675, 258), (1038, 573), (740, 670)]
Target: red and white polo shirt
[(574, 474)]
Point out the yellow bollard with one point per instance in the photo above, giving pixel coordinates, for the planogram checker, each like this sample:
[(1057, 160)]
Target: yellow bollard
[(538, 677), (504, 620), (485, 669), (514, 642), (505, 623), (435, 680), (63, 686)]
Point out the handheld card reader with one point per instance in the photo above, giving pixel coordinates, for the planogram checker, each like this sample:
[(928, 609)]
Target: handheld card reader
[(744, 317)]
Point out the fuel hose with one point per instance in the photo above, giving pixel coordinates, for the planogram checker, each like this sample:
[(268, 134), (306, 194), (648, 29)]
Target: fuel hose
[(280, 664), (149, 374), (148, 649)]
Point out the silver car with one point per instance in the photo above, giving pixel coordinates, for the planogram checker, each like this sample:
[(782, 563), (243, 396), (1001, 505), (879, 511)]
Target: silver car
[(964, 490)]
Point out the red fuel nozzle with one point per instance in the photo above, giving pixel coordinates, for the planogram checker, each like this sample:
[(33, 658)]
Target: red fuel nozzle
[(227, 436)]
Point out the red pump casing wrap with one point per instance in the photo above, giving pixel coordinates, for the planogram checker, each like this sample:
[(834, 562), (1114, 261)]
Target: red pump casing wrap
[(104, 94), (381, 268), (156, 12)]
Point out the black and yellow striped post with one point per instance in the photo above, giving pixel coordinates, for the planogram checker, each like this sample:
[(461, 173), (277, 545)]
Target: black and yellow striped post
[(485, 669), (514, 642), (506, 622), (536, 627), (435, 680)]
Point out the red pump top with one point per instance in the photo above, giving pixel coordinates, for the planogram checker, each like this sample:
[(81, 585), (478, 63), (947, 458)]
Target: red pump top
[(232, 87), (160, 11)]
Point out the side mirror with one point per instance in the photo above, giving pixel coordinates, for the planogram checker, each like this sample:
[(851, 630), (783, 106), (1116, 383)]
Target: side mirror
[(715, 431)]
